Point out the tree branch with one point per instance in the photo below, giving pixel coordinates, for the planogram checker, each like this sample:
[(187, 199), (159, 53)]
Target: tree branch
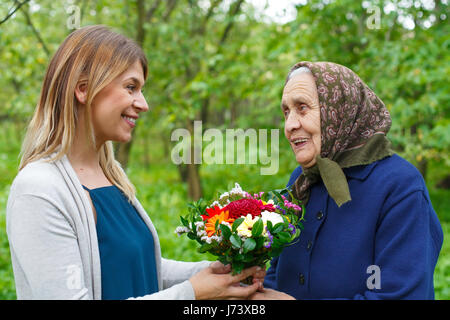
[(170, 6), (209, 14), (19, 4), (234, 10), (35, 31), (143, 17)]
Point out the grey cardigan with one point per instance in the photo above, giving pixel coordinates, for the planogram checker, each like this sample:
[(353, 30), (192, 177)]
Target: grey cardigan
[(53, 240)]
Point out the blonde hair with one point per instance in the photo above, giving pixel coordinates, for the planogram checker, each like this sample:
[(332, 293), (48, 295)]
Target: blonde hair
[(94, 54)]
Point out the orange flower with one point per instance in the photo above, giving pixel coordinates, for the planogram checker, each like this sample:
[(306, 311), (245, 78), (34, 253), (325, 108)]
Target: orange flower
[(210, 225)]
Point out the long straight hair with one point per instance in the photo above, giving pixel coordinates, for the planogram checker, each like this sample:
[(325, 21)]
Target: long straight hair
[(94, 54)]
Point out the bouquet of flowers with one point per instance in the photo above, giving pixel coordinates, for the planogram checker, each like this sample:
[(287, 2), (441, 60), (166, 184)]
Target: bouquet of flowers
[(244, 230)]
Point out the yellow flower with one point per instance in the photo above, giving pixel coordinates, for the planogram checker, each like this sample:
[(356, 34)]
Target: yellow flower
[(245, 228)]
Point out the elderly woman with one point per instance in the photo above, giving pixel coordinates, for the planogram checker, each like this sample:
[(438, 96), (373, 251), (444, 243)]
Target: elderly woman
[(370, 229)]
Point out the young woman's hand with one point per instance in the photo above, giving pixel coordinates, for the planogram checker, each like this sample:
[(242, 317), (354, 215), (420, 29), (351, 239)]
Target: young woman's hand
[(220, 268), (216, 282)]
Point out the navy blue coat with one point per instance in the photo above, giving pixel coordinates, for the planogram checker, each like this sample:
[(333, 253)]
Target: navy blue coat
[(383, 244)]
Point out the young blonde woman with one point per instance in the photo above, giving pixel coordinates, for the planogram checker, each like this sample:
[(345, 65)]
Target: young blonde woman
[(75, 227)]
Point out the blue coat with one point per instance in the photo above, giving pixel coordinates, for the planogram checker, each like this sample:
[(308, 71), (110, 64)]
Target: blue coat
[(384, 244)]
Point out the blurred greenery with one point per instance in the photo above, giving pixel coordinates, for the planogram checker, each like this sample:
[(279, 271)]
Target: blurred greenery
[(221, 63)]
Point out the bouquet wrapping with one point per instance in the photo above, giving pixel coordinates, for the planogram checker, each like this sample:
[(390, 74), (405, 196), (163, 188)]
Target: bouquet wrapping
[(244, 230)]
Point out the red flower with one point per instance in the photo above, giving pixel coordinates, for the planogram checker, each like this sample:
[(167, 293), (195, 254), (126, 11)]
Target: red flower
[(211, 212), (243, 207)]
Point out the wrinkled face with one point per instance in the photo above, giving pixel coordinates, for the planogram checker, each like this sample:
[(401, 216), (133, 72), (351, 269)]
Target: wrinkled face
[(116, 108), (300, 106)]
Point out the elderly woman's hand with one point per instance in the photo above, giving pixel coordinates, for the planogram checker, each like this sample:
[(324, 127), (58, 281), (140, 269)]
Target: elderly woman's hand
[(270, 294)]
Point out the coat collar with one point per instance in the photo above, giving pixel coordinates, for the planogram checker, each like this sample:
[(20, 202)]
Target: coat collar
[(360, 172)]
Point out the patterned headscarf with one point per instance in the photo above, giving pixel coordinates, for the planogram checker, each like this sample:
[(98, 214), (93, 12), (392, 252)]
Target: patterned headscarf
[(354, 123)]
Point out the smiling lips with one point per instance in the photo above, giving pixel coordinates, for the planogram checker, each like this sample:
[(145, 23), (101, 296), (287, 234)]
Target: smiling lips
[(130, 120), (299, 142)]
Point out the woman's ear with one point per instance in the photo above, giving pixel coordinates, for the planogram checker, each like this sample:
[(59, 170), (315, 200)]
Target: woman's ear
[(81, 91)]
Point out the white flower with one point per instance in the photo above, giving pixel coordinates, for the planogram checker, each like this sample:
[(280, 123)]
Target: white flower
[(214, 204), (273, 217), (199, 225), (226, 223), (180, 230), (237, 190), (201, 233), (226, 194), (217, 238), (206, 239)]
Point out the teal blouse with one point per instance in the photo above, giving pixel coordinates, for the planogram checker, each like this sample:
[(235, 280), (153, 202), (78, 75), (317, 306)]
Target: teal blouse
[(127, 255)]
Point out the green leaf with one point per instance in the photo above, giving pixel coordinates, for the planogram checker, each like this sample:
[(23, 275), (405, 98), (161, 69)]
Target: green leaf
[(269, 226), (248, 257), (191, 236), (226, 232), (184, 222), (235, 241), (237, 267), (278, 227), (257, 228), (249, 245), (239, 257), (284, 236), (259, 242), (278, 196), (205, 247), (216, 225), (236, 224)]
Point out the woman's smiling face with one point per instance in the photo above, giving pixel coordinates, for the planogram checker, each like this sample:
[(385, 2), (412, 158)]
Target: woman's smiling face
[(116, 108), (300, 106)]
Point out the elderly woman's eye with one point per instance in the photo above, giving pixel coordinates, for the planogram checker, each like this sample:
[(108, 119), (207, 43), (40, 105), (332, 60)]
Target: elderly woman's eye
[(302, 107)]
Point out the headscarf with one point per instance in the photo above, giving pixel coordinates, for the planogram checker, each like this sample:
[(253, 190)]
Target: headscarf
[(354, 123)]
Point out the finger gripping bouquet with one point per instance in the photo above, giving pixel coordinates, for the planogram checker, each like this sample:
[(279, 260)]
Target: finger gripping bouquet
[(244, 230)]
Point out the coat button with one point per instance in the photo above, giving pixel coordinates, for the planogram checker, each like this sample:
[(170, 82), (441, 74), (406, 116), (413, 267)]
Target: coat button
[(319, 215), (309, 245), (301, 279)]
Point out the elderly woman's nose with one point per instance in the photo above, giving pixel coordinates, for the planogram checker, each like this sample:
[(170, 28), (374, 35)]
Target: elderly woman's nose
[(292, 122)]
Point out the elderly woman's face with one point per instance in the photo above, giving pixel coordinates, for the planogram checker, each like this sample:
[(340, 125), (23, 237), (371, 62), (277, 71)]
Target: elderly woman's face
[(300, 105)]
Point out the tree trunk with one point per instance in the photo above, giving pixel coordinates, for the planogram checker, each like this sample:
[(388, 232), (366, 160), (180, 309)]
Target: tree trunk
[(444, 183), (193, 180), (422, 166), (192, 169)]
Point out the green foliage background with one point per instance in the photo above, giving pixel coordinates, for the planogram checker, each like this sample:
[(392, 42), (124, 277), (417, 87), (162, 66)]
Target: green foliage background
[(202, 53)]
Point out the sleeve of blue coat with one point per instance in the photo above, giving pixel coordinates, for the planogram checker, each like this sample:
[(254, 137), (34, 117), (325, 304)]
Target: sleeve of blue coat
[(408, 241)]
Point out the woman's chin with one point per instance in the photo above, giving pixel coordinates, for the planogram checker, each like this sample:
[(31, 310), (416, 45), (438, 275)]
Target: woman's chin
[(306, 162), (123, 139)]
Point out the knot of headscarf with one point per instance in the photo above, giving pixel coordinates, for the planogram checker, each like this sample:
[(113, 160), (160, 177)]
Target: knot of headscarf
[(354, 123)]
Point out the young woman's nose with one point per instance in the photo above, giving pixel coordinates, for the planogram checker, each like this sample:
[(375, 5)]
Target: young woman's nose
[(140, 103)]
